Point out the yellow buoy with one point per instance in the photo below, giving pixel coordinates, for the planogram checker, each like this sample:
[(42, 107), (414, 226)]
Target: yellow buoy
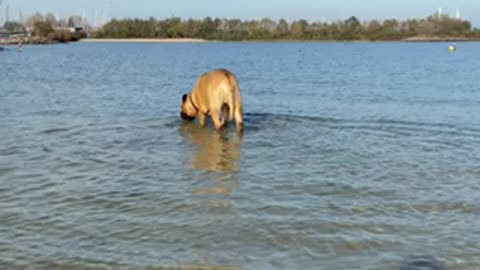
[(452, 48)]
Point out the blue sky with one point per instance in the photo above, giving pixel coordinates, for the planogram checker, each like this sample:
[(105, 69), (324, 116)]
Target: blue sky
[(312, 10)]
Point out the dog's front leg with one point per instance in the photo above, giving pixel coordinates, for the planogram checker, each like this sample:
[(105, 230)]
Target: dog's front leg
[(201, 118)]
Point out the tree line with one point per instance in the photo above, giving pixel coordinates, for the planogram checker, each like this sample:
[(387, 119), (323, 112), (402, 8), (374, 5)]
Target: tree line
[(46, 31), (47, 28), (435, 26)]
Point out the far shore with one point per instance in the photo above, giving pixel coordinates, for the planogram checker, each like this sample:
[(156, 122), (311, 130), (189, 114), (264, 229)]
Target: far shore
[(198, 40), (143, 40), (43, 41)]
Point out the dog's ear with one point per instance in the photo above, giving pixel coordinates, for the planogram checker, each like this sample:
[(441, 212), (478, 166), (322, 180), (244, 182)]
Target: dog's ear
[(184, 98)]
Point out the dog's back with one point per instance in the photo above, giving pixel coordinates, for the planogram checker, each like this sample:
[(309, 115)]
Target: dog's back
[(225, 90)]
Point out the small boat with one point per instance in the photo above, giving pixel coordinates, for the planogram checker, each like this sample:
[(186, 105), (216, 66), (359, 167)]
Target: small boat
[(452, 48)]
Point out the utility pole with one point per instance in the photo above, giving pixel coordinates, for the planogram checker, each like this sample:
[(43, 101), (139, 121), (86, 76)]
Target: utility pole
[(1, 2), (84, 18)]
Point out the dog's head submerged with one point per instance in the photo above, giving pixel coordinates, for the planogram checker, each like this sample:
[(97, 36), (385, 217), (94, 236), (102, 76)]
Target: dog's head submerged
[(187, 112)]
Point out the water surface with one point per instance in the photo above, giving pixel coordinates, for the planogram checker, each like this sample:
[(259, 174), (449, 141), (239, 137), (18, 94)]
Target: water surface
[(355, 156)]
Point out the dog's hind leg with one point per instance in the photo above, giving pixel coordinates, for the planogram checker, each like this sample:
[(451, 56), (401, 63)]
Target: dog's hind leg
[(224, 114), (214, 115), (238, 119), (238, 111)]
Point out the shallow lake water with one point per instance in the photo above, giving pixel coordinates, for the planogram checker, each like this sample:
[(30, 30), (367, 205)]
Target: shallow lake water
[(354, 156)]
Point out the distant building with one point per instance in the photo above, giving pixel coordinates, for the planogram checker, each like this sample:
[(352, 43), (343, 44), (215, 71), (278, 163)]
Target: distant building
[(69, 29), (14, 27), (18, 36), (3, 32)]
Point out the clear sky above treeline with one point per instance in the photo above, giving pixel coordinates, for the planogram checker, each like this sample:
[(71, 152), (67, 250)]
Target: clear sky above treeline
[(312, 10)]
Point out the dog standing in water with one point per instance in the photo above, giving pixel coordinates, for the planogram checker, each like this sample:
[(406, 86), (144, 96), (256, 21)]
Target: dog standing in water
[(215, 93)]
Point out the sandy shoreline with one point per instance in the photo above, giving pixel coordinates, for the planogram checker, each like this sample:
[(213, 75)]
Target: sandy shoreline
[(142, 40)]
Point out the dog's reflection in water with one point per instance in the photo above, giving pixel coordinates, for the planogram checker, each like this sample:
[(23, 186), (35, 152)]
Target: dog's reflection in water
[(214, 151), (216, 154)]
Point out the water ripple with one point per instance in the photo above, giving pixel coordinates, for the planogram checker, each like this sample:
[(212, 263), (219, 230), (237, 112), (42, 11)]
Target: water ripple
[(341, 165)]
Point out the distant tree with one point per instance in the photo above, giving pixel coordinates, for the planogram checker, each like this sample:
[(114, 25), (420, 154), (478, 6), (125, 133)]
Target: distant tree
[(63, 36), (475, 33), (282, 29), (190, 28), (298, 28), (75, 21), (32, 20), (50, 19), (353, 24), (173, 28), (372, 30), (350, 29), (218, 24), (208, 29), (426, 27), (390, 30), (410, 28), (43, 29), (233, 30), (318, 31)]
